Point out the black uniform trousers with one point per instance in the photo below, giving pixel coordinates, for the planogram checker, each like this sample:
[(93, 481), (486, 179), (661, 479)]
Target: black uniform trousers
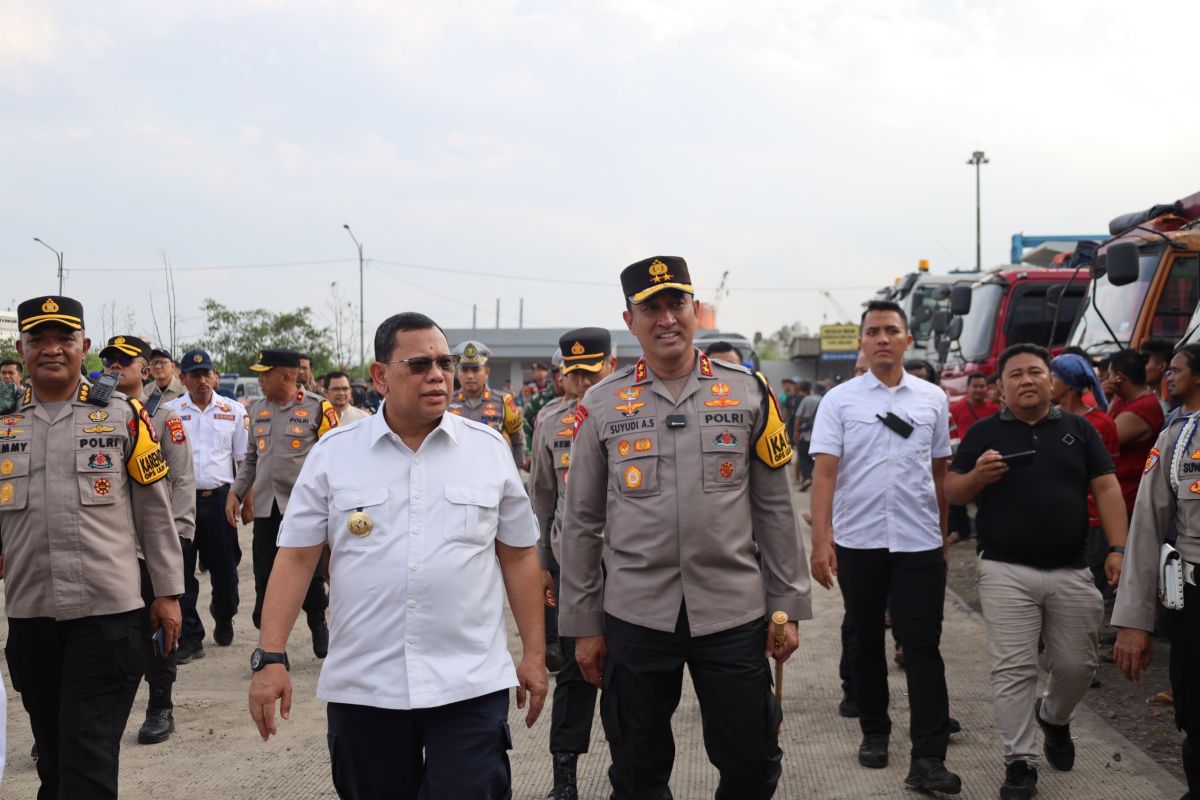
[(574, 703), (451, 752), (551, 612), (1183, 630), (913, 587), (266, 531), (216, 547), (643, 678), (77, 680), (160, 670)]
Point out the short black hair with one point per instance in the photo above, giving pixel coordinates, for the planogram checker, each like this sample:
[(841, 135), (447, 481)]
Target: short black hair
[(716, 348), (883, 305), (385, 334), (1191, 352), (976, 375), (919, 363), (328, 377), (1019, 349), (10, 362), (804, 386), (1076, 350), (993, 378), (1130, 364), (306, 357), (1157, 348)]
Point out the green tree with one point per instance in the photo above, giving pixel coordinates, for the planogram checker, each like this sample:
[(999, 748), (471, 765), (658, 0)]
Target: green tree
[(233, 338)]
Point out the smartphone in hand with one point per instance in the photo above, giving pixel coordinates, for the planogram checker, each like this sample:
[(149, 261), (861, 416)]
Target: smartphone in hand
[(158, 641)]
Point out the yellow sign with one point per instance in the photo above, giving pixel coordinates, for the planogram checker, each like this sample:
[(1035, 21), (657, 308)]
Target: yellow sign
[(839, 338)]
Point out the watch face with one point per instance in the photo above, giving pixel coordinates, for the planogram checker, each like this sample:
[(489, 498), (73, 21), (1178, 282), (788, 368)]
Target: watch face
[(256, 659)]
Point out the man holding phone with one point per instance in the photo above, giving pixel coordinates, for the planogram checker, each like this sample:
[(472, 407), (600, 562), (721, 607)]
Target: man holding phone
[(1033, 575)]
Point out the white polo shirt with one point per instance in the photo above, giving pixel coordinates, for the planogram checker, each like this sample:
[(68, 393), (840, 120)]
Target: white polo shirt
[(416, 605), (885, 497), (218, 434)]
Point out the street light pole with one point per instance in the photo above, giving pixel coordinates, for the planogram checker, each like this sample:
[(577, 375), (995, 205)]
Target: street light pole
[(60, 260), (362, 329), (978, 159)]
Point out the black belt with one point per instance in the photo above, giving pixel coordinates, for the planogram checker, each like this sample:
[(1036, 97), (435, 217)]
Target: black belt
[(212, 492)]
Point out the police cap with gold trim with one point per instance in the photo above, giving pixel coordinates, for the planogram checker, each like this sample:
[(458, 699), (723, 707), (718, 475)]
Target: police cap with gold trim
[(126, 346), (585, 348), (473, 353), (51, 309), (269, 359), (648, 277)]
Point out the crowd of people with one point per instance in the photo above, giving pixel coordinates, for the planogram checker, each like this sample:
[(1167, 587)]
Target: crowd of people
[(419, 517)]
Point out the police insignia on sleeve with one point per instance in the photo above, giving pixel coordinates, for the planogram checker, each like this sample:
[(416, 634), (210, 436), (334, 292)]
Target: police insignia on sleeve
[(1152, 460), (175, 428)]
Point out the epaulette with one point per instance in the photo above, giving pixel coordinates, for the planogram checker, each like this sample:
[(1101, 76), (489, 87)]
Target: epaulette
[(722, 364)]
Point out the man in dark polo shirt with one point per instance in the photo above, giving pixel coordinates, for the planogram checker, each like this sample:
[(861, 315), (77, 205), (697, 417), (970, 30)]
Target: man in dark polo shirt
[(1033, 576)]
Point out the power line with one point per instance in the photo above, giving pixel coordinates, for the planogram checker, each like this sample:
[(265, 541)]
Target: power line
[(275, 265)]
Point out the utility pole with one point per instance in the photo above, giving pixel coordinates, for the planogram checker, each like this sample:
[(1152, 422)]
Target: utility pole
[(977, 159), (362, 326), (60, 260)]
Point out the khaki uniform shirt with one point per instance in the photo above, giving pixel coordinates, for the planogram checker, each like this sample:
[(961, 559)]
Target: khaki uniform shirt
[(1157, 506), (153, 397), (694, 482), (79, 495), (181, 473), (498, 411), (548, 464), (280, 438)]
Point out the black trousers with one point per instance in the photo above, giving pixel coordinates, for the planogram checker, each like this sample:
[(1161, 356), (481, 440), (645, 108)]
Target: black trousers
[(160, 670), (84, 673), (1183, 630), (960, 521), (449, 752), (844, 661), (216, 547), (806, 461), (266, 531), (913, 587), (643, 678), (551, 612), (574, 701)]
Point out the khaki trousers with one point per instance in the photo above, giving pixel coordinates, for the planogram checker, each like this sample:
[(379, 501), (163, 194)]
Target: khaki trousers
[(1021, 604)]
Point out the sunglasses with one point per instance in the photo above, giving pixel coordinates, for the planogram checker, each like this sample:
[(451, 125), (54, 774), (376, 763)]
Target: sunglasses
[(124, 361), (421, 364)]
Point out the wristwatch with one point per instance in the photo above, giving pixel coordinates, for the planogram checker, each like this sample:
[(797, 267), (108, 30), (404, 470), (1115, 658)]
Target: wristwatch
[(1117, 549), (260, 658)]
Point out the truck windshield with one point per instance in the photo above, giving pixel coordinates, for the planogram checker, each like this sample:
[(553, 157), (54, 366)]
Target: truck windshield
[(922, 296), (1119, 305), (980, 323)]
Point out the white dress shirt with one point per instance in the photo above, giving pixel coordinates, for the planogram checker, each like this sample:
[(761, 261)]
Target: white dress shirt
[(219, 435), (885, 497), (351, 414), (417, 604)]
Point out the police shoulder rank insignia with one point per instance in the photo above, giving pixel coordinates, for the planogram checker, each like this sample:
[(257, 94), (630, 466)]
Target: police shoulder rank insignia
[(639, 372), (175, 428), (633, 477), (706, 366), (1152, 460)]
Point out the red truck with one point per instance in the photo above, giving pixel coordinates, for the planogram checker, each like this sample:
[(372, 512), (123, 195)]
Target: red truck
[(1007, 305)]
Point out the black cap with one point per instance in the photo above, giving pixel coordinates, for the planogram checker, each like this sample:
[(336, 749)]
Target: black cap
[(194, 360), (269, 359), (650, 276), (585, 348), (158, 352), (50, 310), (126, 346)]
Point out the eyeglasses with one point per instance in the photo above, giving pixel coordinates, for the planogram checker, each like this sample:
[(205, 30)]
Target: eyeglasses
[(421, 364), (124, 361)]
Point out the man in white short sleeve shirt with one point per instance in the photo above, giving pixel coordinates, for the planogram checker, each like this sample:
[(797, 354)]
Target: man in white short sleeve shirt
[(428, 524), (881, 446)]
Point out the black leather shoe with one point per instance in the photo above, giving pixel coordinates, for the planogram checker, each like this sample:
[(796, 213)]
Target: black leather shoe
[(873, 752), (564, 778), (223, 632), (848, 708), (931, 775), (1020, 782), (1058, 747), (158, 727), (189, 650), (553, 659), (955, 726), (320, 637)]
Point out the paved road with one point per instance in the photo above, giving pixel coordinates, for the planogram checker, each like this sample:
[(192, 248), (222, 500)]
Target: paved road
[(216, 752)]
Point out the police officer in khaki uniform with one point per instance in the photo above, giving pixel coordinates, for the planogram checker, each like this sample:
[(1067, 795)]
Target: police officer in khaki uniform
[(284, 425), (81, 491), (1168, 500), (692, 452), (478, 401), (588, 358), (127, 357)]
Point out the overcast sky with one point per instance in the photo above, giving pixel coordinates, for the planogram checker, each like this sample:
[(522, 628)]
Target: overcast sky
[(796, 145)]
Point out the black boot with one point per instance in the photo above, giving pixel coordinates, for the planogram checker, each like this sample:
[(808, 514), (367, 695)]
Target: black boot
[(320, 638), (160, 719), (564, 777)]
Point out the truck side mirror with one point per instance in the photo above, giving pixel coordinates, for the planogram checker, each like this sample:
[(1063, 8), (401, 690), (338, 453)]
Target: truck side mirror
[(954, 329), (960, 300), (943, 350), (941, 293), (1121, 260), (941, 321)]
